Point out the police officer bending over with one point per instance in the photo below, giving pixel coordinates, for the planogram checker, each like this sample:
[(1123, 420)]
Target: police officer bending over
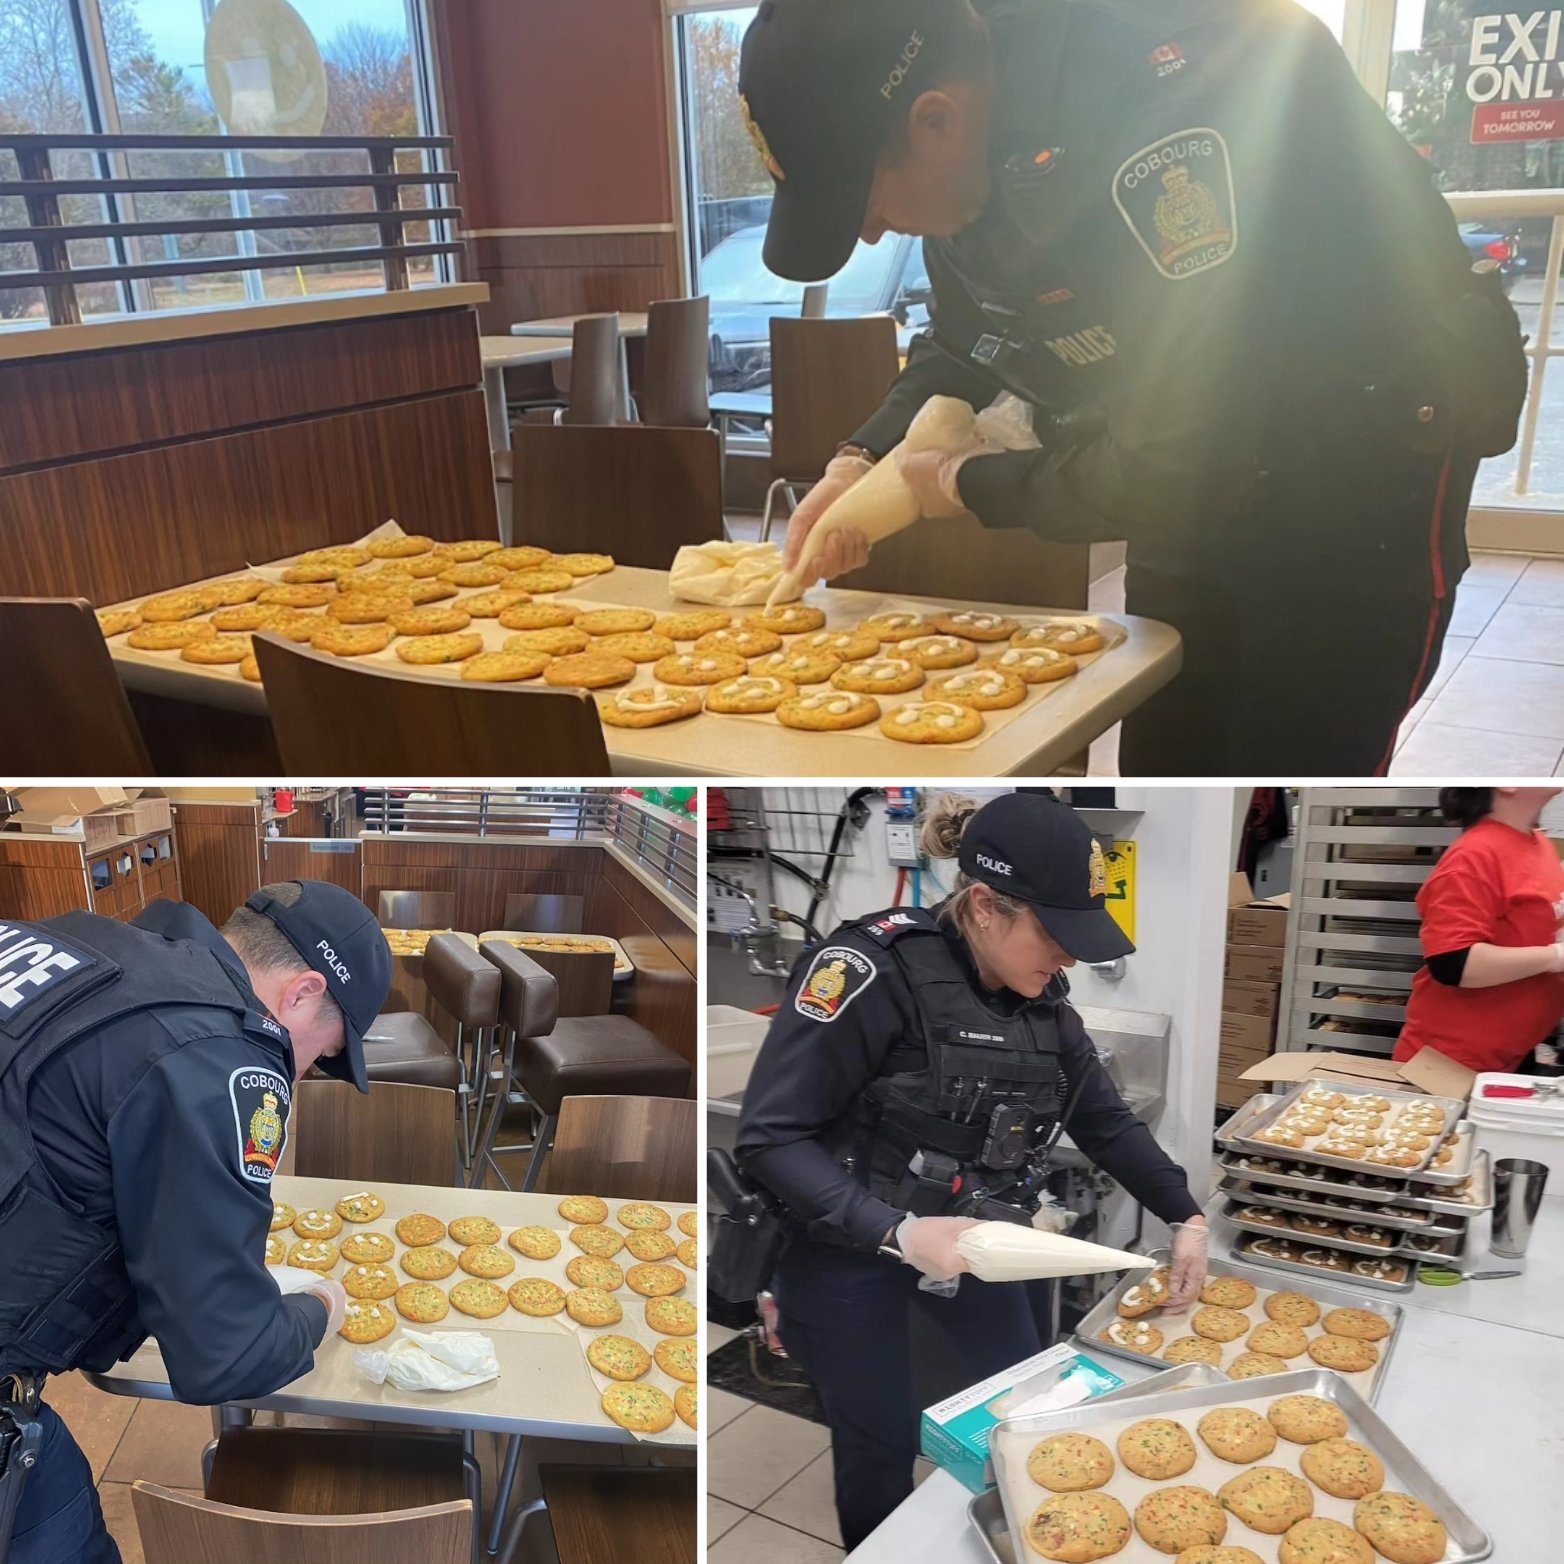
[(146, 1078), (913, 1083), (1254, 341)]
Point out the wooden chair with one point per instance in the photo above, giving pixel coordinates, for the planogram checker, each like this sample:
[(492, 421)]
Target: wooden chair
[(630, 1148), (397, 1134), (676, 383), (828, 377), (416, 909), (334, 718), (309, 1496), (596, 372), (69, 716), (531, 912), (594, 1508), (639, 494)]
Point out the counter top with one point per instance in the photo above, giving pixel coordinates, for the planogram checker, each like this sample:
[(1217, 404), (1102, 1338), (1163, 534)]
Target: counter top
[(229, 320), (1474, 1390)]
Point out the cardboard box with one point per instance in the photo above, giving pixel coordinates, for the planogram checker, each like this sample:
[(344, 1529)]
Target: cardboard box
[(1251, 922), (151, 810), (1252, 1032), (955, 1433), (1254, 963), (70, 811), (1250, 999), (1428, 1071)]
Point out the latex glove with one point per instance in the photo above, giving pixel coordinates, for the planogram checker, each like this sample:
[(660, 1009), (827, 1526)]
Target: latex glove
[(332, 1294), (1191, 1250), (934, 478), (928, 1244), (848, 550)]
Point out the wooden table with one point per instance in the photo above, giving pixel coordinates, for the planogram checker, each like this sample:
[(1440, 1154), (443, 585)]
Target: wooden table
[(502, 353), (632, 323), (1050, 733)]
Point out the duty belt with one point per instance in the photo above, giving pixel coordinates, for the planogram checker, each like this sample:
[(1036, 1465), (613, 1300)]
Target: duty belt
[(21, 1438)]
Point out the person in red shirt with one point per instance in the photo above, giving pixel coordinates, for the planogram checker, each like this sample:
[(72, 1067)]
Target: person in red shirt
[(1491, 990)]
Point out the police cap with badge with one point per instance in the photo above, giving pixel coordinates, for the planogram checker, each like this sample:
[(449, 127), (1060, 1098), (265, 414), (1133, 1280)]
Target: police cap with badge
[(824, 84)]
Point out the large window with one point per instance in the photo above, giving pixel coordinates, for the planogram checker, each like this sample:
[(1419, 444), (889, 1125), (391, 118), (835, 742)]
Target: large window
[(729, 200), (342, 67)]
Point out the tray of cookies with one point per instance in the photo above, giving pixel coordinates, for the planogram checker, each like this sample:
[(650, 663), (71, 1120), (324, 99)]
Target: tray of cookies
[(1452, 1159), (1357, 1129), (1472, 1195), (986, 1513), (1296, 1469), (1335, 1208), (1302, 1258), (617, 1275), (414, 942), (1317, 1182), (565, 945), (1245, 1325), (1353, 1238)]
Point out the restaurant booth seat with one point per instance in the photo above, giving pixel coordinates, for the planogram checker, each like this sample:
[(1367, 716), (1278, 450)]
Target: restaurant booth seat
[(551, 1057)]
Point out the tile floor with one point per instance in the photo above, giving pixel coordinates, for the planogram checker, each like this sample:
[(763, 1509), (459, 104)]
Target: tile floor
[(771, 1494)]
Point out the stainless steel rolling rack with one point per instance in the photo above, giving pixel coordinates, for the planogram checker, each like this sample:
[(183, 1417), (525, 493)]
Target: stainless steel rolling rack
[(1360, 858), (756, 833)]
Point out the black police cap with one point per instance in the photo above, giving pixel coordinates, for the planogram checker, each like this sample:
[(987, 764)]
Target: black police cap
[(824, 83), (337, 936), (1038, 850)]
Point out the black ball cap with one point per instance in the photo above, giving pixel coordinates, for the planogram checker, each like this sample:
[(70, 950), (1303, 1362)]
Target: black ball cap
[(1034, 848), (824, 83), (337, 935)]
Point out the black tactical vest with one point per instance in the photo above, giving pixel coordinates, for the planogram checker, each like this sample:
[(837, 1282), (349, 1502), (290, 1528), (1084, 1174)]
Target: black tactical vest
[(65, 1298), (940, 1091)]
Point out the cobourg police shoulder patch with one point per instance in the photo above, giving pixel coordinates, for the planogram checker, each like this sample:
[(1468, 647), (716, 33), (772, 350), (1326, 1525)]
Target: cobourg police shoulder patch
[(1177, 196), (261, 1101), (837, 976)]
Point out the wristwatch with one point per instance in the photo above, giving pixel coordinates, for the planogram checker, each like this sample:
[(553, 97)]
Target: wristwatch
[(890, 1247), (862, 452)]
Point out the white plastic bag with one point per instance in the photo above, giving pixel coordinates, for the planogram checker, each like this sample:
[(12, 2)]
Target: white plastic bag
[(731, 575), (1004, 1252), (432, 1360)]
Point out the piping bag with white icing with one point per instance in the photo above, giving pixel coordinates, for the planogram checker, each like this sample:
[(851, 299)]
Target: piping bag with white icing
[(1005, 1252), (882, 504)]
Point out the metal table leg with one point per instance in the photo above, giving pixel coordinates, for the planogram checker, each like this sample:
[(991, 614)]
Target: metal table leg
[(503, 1492)]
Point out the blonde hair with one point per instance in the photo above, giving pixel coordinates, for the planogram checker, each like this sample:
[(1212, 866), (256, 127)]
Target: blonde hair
[(943, 827)]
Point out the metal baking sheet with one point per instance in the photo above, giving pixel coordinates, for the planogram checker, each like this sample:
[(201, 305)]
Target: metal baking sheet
[(1245, 1118), (1482, 1193), (1452, 1106), (987, 1511), (1013, 1440), (1318, 1240), (1460, 1167), (1327, 1296), (1241, 1164), (1256, 1192), (1298, 1268)]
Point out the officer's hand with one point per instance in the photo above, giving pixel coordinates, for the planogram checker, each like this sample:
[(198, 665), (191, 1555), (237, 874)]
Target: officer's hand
[(846, 550), (929, 1244), (932, 476), (1191, 1246), (335, 1298)]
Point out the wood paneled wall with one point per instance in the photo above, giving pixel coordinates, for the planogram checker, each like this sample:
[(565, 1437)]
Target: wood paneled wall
[(481, 874), (663, 947), (532, 277), (41, 879), (289, 858), (219, 856), (131, 471)]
